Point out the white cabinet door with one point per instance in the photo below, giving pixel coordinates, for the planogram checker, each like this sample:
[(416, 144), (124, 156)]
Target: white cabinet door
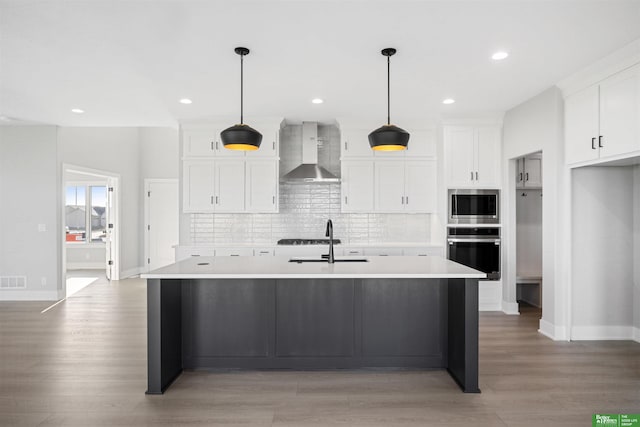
[(269, 145), (459, 151), (620, 113), (532, 172), (389, 186), (200, 143), (422, 143), (357, 186), (420, 186), (355, 143), (581, 125), (262, 185), (264, 252), (198, 191), (383, 251), (487, 154), (234, 251), (229, 180)]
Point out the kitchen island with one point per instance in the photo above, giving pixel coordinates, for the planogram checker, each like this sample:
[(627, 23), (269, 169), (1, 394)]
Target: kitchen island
[(270, 313)]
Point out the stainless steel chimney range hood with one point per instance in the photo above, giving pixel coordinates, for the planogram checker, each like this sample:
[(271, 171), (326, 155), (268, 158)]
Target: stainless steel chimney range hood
[(309, 171)]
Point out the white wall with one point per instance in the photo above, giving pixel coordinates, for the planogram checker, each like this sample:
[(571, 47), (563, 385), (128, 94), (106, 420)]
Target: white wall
[(29, 196), (537, 125), (159, 155), (603, 252)]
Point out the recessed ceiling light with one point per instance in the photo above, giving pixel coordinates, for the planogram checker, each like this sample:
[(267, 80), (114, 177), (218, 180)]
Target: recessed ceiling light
[(77, 111), (317, 101), (448, 101), (185, 101), (499, 55)]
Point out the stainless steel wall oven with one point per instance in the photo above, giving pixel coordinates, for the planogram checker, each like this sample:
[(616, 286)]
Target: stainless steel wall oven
[(476, 247)]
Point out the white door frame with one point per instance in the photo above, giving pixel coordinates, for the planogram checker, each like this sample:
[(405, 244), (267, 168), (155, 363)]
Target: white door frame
[(115, 178), (147, 212)]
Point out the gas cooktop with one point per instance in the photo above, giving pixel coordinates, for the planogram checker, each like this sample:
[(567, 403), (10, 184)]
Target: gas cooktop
[(307, 241)]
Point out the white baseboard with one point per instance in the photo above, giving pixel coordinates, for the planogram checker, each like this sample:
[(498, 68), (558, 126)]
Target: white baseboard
[(510, 308), (27, 295), (556, 333), (601, 333), (125, 274), (636, 334)]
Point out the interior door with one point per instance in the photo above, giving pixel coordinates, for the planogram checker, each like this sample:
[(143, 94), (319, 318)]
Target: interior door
[(162, 222)]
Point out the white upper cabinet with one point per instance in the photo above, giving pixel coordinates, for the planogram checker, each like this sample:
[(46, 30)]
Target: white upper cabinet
[(389, 186), (270, 143), (357, 186), (405, 186), (472, 156), (198, 192), (229, 185), (261, 186), (205, 143), (603, 120), (355, 143), (529, 173)]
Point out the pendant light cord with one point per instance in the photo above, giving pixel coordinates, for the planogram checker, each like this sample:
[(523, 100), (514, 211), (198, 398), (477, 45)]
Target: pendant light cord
[(241, 89), (388, 90)]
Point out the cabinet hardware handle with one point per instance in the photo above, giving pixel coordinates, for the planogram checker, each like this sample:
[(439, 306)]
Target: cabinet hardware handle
[(211, 199), (472, 176), (520, 176), (273, 200), (211, 145), (346, 200), (407, 199), (274, 146), (593, 143), (216, 200), (526, 176), (600, 141), (402, 200), (217, 145), (476, 175), (346, 145), (234, 255)]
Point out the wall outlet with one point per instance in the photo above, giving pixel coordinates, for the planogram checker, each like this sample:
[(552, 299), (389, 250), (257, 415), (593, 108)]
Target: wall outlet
[(43, 281)]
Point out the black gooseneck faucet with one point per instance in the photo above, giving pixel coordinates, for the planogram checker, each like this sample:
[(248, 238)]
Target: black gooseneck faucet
[(329, 234)]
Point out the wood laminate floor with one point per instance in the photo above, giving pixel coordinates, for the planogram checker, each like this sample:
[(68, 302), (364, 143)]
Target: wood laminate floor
[(83, 363)]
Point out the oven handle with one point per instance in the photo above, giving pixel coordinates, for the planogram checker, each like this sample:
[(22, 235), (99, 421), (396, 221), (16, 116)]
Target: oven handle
[(496, 241)]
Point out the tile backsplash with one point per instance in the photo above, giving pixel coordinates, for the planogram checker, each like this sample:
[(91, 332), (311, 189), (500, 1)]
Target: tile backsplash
[(305, 208)]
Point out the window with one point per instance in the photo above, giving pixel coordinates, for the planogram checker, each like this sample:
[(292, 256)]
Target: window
[(85, 213)]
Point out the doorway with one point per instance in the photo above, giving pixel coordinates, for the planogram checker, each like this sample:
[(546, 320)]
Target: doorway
[(528, 202), (89, 215)]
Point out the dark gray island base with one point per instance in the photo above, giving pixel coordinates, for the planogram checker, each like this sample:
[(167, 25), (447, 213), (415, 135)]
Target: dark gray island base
[(312, 323)]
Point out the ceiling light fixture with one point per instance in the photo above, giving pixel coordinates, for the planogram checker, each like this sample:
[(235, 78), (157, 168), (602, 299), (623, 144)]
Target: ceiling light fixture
[(77, 111), (448, 101), (499, 56), (389, 137), (317, 101), (241, 136), (186, 101)]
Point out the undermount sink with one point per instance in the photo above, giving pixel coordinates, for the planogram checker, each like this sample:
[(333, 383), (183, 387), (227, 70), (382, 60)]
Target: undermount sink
[(302, 259)]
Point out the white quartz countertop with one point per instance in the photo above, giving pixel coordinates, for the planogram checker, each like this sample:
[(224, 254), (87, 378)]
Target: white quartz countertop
[(401, 267)]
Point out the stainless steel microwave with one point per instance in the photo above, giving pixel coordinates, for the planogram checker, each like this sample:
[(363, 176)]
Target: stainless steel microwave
[(474, 206)]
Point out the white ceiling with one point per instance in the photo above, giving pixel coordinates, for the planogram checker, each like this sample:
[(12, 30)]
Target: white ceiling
[(127, 63)]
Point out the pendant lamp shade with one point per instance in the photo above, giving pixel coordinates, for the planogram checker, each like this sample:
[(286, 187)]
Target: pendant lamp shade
[(389, 137), (241, 136)]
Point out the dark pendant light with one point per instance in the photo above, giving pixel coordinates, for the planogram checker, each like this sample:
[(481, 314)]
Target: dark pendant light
[(241, 136), (389, 137)]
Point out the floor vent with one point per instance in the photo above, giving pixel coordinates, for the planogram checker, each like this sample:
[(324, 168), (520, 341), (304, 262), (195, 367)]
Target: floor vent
[(13, 282)]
